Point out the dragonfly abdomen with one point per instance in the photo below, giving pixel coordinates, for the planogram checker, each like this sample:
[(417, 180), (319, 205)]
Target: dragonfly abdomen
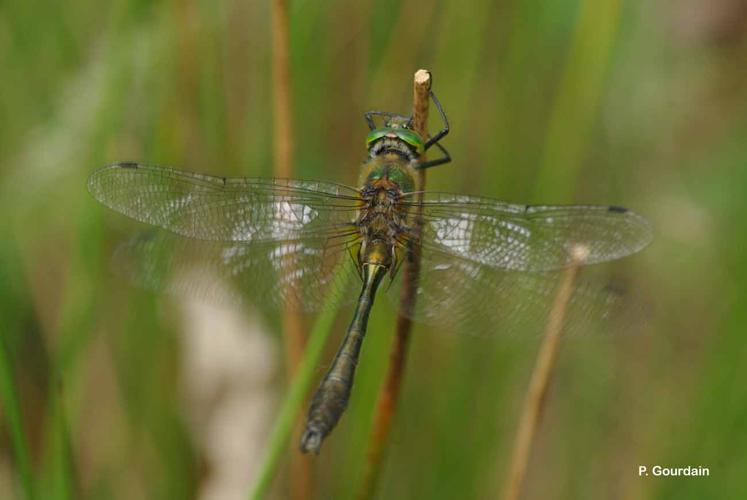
[(331, 398)]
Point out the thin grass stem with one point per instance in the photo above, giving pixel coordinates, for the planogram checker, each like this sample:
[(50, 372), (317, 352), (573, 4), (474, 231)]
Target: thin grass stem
[(540, 381), (293, 330), (63, 477)]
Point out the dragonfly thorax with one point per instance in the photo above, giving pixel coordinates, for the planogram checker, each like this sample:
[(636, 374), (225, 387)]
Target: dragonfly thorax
[(383, 218), (387, 171), (382, 215)]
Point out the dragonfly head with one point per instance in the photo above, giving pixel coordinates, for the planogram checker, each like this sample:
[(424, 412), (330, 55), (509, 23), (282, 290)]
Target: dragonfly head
[(397, 129)]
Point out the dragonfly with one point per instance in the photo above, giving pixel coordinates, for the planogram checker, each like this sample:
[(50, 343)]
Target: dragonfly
[(285, 240)]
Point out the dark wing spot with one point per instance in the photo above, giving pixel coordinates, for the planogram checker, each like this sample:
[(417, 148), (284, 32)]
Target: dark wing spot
[(128, 164), (616, 209)]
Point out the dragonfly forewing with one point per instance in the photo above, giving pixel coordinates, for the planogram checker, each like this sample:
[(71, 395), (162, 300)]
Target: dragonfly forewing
[(226, 209), (528, 237)]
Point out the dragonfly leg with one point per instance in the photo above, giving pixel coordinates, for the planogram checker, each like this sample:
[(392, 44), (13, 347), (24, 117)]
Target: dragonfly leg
[(356, 259), (394, 270), (441, 133), (446, 158)]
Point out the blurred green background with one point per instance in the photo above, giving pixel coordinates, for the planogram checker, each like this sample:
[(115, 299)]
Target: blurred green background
[(112, 392)]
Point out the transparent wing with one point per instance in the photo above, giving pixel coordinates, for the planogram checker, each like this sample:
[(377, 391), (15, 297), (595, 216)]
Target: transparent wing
[(491, 264), (462, 295), (225, 209), (528, 237), (293, 273)]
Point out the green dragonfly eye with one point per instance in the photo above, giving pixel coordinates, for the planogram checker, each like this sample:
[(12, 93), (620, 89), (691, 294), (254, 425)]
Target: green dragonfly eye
[(404, 134)]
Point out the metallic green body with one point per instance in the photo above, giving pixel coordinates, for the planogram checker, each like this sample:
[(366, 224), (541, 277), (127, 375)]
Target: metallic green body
[(390, 168)]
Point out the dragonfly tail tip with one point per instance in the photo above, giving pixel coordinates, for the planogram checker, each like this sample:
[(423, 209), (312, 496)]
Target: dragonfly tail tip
[(311, 441)]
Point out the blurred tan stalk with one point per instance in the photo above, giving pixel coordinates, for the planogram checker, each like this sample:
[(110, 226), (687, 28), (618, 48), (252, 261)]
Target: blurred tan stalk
[(300, 465), (541, 378), (388, 395)]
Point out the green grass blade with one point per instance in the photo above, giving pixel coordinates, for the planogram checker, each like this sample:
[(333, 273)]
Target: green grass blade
[(62, 476), (12, 412), (305, 376), (579, 95)]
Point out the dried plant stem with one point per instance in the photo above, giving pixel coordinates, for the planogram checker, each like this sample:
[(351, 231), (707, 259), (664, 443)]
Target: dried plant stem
[(283, 127), (300, 474), (540, 381), (388, 396)]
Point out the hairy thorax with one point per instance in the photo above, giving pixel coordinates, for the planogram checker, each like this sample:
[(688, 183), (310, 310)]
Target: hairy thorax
[(383, 221)]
